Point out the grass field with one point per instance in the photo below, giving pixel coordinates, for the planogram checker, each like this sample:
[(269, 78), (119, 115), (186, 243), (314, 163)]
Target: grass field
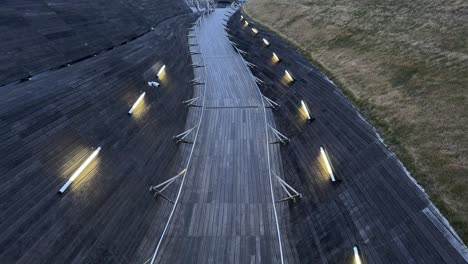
[(405, 64)]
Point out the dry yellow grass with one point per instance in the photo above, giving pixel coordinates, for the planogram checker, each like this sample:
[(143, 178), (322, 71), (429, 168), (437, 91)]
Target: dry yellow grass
[(405, 64)]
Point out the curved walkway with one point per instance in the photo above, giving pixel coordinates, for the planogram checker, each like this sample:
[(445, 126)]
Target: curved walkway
[(226, 211)]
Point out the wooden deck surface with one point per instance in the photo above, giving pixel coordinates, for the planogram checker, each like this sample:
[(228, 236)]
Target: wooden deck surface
[(225, 213), (224, 208), (39, 36), (377, 206), (48, 126)]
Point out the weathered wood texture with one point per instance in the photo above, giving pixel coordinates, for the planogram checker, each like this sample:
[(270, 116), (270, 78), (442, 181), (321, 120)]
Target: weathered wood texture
[(376, 206), (48, 126), (225, 212), (41, 35)]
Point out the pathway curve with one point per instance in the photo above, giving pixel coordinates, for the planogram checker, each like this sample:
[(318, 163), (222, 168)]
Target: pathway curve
[(225, 212)]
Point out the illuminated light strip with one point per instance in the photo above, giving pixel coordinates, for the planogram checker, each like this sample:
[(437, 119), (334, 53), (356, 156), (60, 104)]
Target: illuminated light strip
[(357, 258), (241, 18), (327, 164), (246, 23), (136, 103), (80, 170), (255, 31), (161, 70), (306, 109), (266, 42), (275, 57), (289, 76)]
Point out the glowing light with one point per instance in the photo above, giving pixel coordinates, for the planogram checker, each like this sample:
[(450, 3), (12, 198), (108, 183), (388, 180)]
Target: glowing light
[(327, 164), (288, 76), (266, 42), (241, 18), (138, 101), (161, 72), (80, 170), (357, 258), (246, 23), (306, 109), (275, 58), (255, 31)]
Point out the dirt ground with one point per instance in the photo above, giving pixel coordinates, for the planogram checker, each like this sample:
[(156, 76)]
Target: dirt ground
[(405, 64)]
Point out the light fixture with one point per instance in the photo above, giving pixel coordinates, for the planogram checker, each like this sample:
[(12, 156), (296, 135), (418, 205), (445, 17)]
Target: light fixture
[(357, 258), (80, 170), (246, 23), (275, 58), (288, 76), (241, 18), (161, 71), (136, 103), (306, 110), (255, 31), (327, 164), (267, 43), (154, 84)]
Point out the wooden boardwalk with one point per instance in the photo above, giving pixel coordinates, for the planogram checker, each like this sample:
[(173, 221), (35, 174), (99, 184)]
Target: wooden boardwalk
[(225, 213), (222, 209)]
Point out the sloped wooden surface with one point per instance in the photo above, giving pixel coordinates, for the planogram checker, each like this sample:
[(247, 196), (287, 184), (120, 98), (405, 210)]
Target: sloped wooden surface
[(49, 126), (46, 35), (376, 206)]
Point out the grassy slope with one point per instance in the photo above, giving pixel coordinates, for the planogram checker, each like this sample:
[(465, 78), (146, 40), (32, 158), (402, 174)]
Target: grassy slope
[(405, 64)]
